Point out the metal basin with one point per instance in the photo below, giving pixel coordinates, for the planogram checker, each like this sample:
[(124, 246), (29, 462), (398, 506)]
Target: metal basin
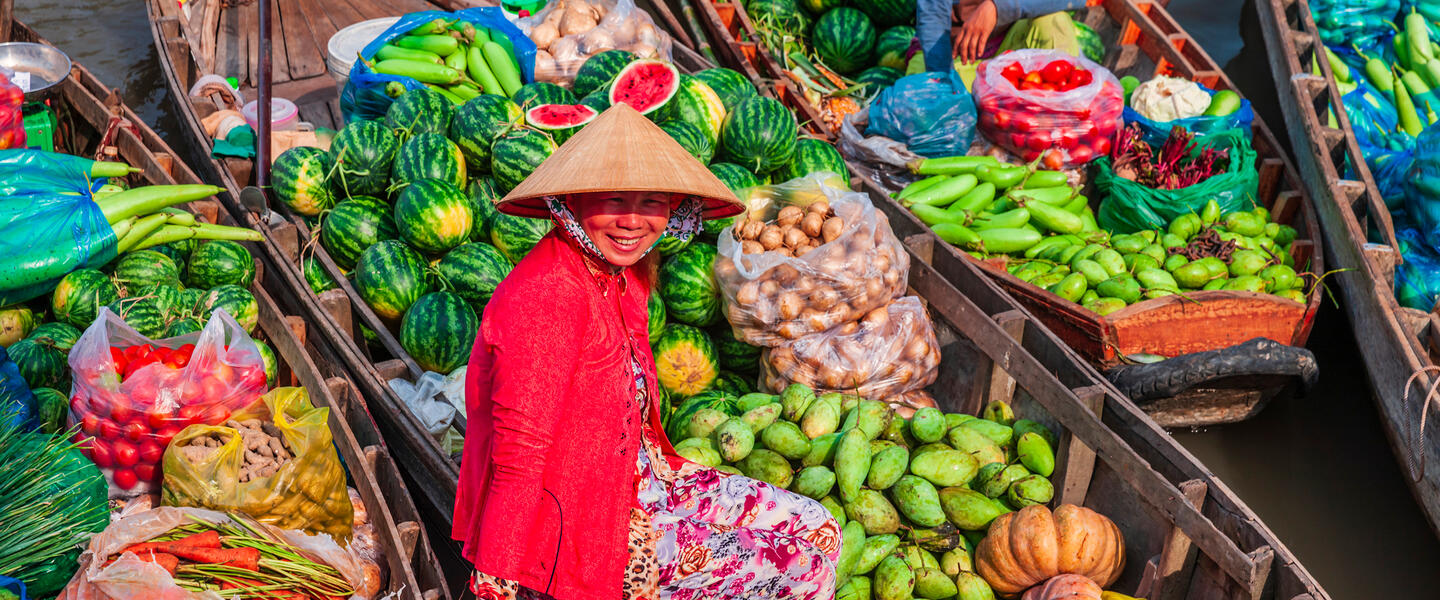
[(46, 66)]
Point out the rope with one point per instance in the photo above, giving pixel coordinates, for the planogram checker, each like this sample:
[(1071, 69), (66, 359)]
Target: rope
[(1416, 457)]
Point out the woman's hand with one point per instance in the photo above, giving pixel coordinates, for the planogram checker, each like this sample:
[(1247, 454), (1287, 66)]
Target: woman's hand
[(979, 23)]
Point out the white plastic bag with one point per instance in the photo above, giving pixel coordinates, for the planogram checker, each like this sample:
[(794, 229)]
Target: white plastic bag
[(892, 350), (567, 32), (422, 398)]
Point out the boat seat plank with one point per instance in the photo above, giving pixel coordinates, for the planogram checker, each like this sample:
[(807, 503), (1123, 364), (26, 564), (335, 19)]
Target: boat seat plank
[(302, 48), (322, 26), (230, 50), (279, 55), (249, 31)]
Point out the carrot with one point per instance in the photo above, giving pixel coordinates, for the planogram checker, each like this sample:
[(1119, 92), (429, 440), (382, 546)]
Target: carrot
[(243, 558), (208, 539), (166, 561)]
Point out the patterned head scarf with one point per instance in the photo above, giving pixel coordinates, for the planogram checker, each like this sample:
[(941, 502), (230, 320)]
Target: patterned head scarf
[(685, 223)]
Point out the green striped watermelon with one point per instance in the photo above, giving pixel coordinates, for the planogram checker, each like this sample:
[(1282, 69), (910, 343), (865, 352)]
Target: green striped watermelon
[(759, 135), (598, 99), (354, 225), (732, 87), (888, 13), (734, 384), (420, 110), (301, 179), (429, 156), (178, 251), (79, 296), (433, 216), (819, 7), (813, 156), (478, 122), (735, 355), (364, 152), (59, 336), (845, 40), (142, 314), (531, 95), (685, 360), (707, 398), (169, 299), (315, 275), (390, 277), (472, 271), (236, 301), (879, 77), (783, 15), (695, 103), (656, 308), (182, 326), (16, 322), (272, 364), (192, 300), (220, 262), (514, 236), (738, 179), (51, 408), (669, 245), (40, 365), (687, 283), (438, 332), (891, 46), (691, 138), (482, 203), (599, 70), (646, 85), (516, 154), (1090, 43), (560, 120), (138, 272)]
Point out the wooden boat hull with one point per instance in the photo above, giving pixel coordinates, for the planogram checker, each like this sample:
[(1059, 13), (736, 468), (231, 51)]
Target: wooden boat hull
[(1397, 344)]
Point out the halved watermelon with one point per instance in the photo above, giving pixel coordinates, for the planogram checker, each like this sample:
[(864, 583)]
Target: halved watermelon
[(561, 120), (646, 85)]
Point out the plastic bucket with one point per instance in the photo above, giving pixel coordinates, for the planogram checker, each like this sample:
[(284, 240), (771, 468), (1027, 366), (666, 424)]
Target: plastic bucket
[(344, 47)]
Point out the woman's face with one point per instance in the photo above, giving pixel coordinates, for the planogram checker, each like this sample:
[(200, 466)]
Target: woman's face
[(623, 224)]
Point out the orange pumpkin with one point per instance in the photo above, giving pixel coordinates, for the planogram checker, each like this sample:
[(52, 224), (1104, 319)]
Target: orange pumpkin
[(1027, 547), (1065, 587)]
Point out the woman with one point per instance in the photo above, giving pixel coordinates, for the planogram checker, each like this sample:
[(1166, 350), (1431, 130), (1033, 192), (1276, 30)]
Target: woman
[(568, 487), (1024, 23)]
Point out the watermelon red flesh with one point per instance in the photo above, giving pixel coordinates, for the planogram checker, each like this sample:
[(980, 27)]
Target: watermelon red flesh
[(646, 85), (559, 116)]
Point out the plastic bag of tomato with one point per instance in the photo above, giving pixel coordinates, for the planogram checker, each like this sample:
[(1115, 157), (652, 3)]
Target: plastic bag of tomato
[(1034, 101), (131, 394)]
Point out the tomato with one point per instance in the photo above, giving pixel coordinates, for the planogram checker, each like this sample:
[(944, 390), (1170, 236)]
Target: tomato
[(1102, 146), (1081, 154), (146, 472), (78, 406), (108, 429), (90, 424), (1013, 71), (134, 430), (164, 436), (1079, 77), (1054, 160), (213, 390), (1057, 71), (1002, 120), (190, 414), (1038, 143), (118, 356), (157, 417), (100, 454), (99, 405), (124, 479), (216, 415), (121, 411), (125, 453), (223, 372), (152, 452), (176, 360), (1069, 139), (186, 349), (161, 354), (253, 378)]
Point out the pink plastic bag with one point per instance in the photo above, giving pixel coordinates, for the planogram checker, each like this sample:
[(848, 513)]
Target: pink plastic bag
[(1078, 123), (131, 420)]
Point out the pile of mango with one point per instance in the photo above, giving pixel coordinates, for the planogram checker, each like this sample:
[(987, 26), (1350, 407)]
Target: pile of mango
[(922, 490)]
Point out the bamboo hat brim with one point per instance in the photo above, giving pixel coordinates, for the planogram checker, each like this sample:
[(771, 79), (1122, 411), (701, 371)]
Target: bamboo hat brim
[(620, 151)]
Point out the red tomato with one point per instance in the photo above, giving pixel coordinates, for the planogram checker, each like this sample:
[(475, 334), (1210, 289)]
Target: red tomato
[(186, 349), (157, 418), (1053, 160), (213, 390), (164, 436), (1013, 71), (216, 415), (1038, 143), (125, 453), (90, 424), (121, 411), (1049, 87), (134, 431), (1078, 78), (100, 454), (161, 353), (1069, 139), (99, 405), (136, 352), (124, 479), (190, 414), (1002, 120), (152, 452), (223, 372), (78, 406), (1056, 72), (146, 472), (1081, 154), (253, 378), (118, 356), (1102, 146), (108, 429)]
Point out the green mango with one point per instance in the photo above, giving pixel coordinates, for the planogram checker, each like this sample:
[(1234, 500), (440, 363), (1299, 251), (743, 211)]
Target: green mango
[(1093, 272), (1071, 288), (1287, 234), (918, 501), (974, 443), (1246, 283), (1247, 262), (849, 421), (1171, 240), (953, 420), (704, 422), (969, 509), (856, 588), (1215, 266), (1138, 262), (822, 450), (1155, 251), (1036, 454), (821, 418), (919, 558), (786, 439), (877, 547), (894, 580), (760, 417), (1127, 243), (1174, 261), (795, 400), (815, 482), (945, 467), (767, 466), (1111, 260), (887, 466), (734, 440), (852, 463), (1216, 284), (848, 402), (1244, 223), (1089, 297), (1191, 276), (1183, 226), (1122, 286), (728, 469), (1157, 279), (999, 411), (898, 431), (1024, 426), (1152, 294), (931, 583), (997, 484), (1279, 278), (1030, 490), (701, 454), (836, 509), (873, 511), (701, 442), (970, 586), (852, 540), (1210, 213), (928, 425), (1104, 306), (955, 561), (755, 400), (999, 433), (873, 417), (877, 445), (925, 448), (1148, 235), (1292, 294)]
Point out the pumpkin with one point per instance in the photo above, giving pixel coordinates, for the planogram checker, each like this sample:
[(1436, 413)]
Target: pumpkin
[(1065, 587), (1027, 547)]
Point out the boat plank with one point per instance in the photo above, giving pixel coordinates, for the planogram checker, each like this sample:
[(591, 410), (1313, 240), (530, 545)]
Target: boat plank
[(302, 46), (230, 47), (322, 27), (279, 53)]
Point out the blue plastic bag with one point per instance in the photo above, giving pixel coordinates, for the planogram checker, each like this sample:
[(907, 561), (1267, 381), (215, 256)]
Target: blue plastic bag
[(1363, 22), (1422, 187), (364, 95), (17, 404), (48, 220), (15, 586), (932, 113), (1417, 280), (1201, 126)]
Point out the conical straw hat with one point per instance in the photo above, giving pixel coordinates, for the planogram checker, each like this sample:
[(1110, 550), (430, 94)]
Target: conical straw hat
[(620, 151)]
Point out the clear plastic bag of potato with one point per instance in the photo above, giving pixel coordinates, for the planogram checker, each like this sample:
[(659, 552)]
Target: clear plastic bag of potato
[(891, 351), (294, 482), (807, 258), (566, 32)]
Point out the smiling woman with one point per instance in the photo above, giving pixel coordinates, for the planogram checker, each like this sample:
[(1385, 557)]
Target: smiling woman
[(624, 225)]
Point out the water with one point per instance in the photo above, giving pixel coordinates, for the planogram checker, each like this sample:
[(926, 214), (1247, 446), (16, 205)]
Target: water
[(1316, 469)]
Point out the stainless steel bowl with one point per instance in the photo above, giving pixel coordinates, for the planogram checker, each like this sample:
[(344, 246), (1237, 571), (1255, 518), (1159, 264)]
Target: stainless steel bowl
[(46, 65)]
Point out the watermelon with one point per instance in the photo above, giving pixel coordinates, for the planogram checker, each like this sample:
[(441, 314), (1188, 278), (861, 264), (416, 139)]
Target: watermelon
[(891, 46), (192, 300), (138, 272), (429, 156), (141, 314), (478, 122), (819, 7), (879, 77), (1090, 43), (759, 135), (560, 120), (646, 85), (390, 277), (599, 70), (182, 326), (691, 138), (272, 364), (812, 156), (421, 110), (656, 308), (735, 355), (514, 236), (695, 103), (16, 323), (220, 262), (433, 216), (598, 99), (482, 203), (170, 300), (708, 398), (40, 365), (59, 336), (516, 154), (732, 87), (352, 226), (685, 360), (301, 178), (888, 13), (784, 15), (315, 274), (738, 180), (178, 251), (51, 408), (669, 245), (472, 271), (238, 302), (687, 283), (845, 40), (364, 152), (438, 332), (734, 384), (531, 95)]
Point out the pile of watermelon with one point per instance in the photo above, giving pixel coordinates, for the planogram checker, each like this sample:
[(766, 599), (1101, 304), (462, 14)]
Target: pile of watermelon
[(865, 40)]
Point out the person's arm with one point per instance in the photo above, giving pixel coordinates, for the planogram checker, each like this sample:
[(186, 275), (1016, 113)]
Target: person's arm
[(1010, 11), (932, 27)]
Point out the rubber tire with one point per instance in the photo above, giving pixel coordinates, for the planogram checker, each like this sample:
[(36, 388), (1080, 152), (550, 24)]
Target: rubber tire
[(1260, 356)]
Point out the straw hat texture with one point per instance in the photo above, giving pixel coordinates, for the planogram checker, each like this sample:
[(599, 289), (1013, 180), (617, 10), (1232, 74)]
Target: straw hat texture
[(620, 151)]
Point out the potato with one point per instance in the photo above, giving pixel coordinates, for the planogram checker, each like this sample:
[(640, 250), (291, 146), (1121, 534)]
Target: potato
[(833, 264), (752, 230), (917, 349), (804, 285), (876, 318), (791, 330), (794, 238), (824, 298), (849, 328), (784, 274), (577, 20), (791, 305), (875, 288), (784, 251), (771, 238), (644, 50), (811, 224), (832, 228), (861, 241), (751, 247), (819, 207), (880, 262), (804, 249), (832, 377), (789, 216), (891, 278), (768, 288), (748, 293), (725, 268)]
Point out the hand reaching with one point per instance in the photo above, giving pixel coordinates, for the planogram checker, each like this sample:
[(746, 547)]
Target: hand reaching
[(976, 31)]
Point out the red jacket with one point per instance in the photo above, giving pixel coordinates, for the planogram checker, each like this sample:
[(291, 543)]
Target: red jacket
[(548, 474)]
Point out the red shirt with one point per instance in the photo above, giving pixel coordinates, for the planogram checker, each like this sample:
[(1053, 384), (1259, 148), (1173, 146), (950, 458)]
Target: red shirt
[(548, 472)]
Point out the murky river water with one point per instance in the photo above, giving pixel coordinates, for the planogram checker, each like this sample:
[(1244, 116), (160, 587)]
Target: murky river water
[(1316, 468)]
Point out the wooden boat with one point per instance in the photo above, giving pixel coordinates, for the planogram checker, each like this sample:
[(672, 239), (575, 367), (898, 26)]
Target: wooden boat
[(93, 121), (1398, 344)]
